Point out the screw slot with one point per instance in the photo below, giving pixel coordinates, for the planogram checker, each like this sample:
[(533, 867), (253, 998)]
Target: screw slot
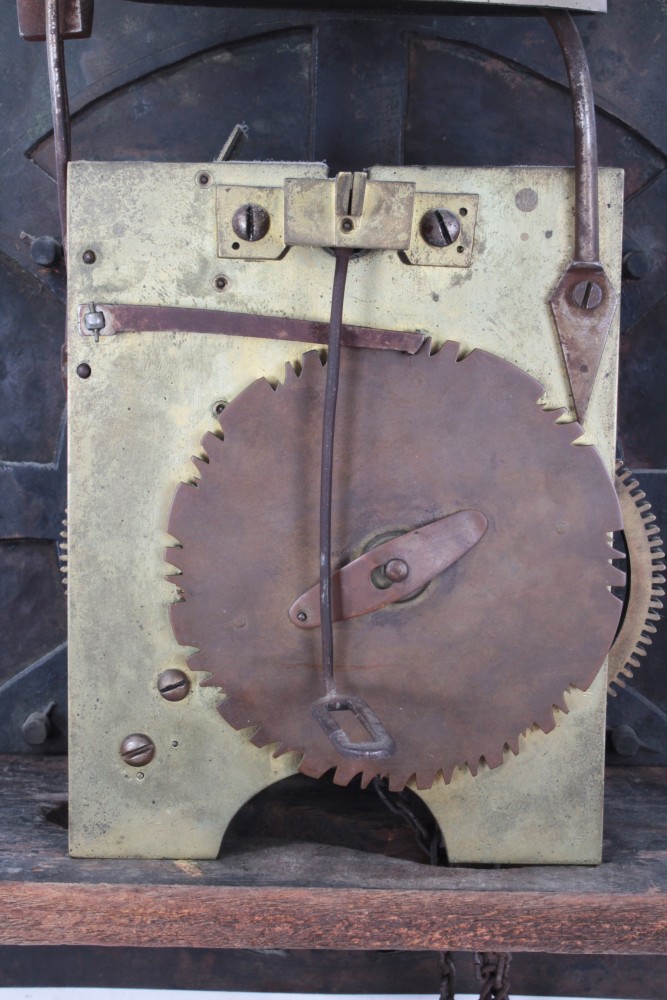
[(137, 750), (439, 227), (173, 685), (250, 223), (587, 295)]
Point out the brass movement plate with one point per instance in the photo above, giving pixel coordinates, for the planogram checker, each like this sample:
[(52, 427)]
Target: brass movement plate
[(149, 400)]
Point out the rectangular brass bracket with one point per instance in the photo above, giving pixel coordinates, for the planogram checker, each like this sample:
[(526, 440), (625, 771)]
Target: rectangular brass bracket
[(350, 210), (76, 19)]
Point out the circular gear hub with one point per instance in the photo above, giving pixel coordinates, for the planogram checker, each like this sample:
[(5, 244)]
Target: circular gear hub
[(489, 646)]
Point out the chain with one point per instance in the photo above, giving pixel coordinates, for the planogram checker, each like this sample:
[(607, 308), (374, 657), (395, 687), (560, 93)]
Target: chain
[(429, 843), (492, 971)]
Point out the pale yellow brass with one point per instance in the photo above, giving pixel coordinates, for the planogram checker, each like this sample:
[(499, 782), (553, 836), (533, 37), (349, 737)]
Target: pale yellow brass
[(150, 398), (460, 252), (349, 211)]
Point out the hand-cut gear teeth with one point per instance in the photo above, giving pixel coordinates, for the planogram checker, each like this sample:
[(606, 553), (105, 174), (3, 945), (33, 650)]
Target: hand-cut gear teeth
[(62, 548), (236, 713), (642, 535)]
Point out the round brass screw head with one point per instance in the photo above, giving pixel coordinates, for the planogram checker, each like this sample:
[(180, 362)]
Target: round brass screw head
[(397, 570), (173, 685), (587, 295), (251, 223), (137, 749), (440, 227)]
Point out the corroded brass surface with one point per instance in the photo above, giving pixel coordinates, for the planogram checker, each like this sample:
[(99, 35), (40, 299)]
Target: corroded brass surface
[(135, 422)]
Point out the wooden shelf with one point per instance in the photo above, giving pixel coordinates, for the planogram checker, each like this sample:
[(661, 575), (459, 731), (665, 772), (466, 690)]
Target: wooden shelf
[(270, 894)]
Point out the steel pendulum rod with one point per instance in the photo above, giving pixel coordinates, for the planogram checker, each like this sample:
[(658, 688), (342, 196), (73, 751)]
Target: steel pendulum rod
[(59, 106), (326, 479), (380, 744)]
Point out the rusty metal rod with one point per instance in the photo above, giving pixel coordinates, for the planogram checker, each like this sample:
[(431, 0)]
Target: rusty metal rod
[(587, 225), (326, 478), (59, 106)]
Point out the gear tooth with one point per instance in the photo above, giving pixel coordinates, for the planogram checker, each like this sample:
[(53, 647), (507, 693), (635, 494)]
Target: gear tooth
[(652, 530), (447, 770), (290, 373), (633, 661), (615, 577), (199, 464), (312, 769), (311, 361), (494, 758), (397, 781), (367, 777), (346, 772), (660, 567), (546, 721), (423, 780), (212, 443), (449, 352), (649, 518), (173, 554), (177, 580), (615, 554), (513, 745), (473, 767), (650, 628)]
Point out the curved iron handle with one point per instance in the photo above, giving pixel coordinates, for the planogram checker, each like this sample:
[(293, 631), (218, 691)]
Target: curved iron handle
[(584, 301), (587, 231)]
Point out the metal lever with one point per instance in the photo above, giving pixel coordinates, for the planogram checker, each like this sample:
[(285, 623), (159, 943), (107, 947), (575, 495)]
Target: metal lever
[(409, 562), (584, 301)]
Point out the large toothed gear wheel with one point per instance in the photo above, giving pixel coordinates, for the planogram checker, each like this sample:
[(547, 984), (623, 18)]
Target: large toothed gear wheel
[(645, 581), (482, 653)]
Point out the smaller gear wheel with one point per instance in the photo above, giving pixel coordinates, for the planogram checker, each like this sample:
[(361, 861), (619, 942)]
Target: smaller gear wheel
[(645, 580)]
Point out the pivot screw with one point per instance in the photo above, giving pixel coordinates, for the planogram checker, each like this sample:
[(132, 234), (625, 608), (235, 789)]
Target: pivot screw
[(347, 225), (36, 729), (203, 179), (89, 256), (587, 295), (137, 750), (397, 570), (45, 251), (220, 282), (83, 370), (173, 685), (440, 227), (251, 223), (302, 616)]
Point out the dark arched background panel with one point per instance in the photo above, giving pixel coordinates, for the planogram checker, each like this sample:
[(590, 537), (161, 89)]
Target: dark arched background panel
[(439, 84)]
